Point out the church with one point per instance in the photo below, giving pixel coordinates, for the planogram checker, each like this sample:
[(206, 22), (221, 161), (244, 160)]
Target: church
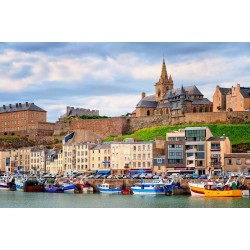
[(168, 100)]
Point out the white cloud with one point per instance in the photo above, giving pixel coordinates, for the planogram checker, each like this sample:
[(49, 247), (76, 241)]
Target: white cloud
[(107, 105)]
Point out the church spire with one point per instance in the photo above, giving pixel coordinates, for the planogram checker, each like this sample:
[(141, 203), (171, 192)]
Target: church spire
[(164, 74)]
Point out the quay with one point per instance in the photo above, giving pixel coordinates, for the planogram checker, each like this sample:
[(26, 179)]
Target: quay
[(127, 183)]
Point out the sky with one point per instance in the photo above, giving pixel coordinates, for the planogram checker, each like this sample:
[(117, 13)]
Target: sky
[(110, 77)]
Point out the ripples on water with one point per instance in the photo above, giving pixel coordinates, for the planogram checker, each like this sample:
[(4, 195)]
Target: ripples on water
[(47, 200)]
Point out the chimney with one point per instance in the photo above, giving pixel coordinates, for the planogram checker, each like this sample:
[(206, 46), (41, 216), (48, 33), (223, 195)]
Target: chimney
[(4, 107), (27, 104), (10, 106), (20, 105), (143, 95), (17, 105)]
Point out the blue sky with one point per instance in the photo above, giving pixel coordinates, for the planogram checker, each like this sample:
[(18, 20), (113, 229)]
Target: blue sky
[(111, 76)]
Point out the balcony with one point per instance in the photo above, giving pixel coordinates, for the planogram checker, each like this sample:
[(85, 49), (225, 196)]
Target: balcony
[(215, 164)]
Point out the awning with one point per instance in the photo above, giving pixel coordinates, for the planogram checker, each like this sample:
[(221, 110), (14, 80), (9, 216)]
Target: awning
[(103, 171)]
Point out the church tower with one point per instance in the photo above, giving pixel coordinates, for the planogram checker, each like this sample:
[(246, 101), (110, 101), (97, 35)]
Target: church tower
[(164, 83)]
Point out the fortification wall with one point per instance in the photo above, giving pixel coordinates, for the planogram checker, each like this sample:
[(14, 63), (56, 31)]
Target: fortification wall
[(102, 127), (124, 125)]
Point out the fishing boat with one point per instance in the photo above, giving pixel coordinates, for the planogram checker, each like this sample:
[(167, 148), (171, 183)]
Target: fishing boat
[(54, 189), (33, 185), (83, 187), (214, 189), (156, 187), (106, 188), (69, 187), (7, 183)]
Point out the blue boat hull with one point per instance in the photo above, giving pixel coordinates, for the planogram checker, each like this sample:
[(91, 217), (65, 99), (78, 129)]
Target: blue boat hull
[(110, 191)]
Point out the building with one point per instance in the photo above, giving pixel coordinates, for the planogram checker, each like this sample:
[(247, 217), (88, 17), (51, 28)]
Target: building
[(231, 99), (176, 152), (71, 111), (69, 158), (132, 156), (168, 100), (217, 147), (159, 165), (100, 157), (24, 119), (24, 158), (237, 162), (83, 150), (37, 161), (196, 138)]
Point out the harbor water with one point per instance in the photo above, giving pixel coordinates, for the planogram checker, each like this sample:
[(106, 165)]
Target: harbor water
[(15, 199)]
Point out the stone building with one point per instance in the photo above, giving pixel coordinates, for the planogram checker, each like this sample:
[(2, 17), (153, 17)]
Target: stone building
[(217, 148), (100, 157), (132, 156), (231, 99), (168, 100), (71, 111), (237, 162), (24, 119)]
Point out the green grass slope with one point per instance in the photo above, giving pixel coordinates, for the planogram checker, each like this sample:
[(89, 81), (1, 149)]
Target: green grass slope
[(237, 133)]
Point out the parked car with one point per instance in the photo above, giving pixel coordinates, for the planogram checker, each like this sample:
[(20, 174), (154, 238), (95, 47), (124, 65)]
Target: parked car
[(91, 176), (142, 176), (183, 176), (135, 176), (149, 176), (98, 176), (189, 176), (156, 176), (203, 176), (195, 176), (110, 176)]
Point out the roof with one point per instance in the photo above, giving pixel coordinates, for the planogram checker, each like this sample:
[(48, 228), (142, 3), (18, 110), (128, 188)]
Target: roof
[(20, 107), (201, 101), (147, 102), (216, 138), (245, 92), (192, 90), (104, 145), (195, 128), (164, 105), (237, 155), (225, 91)]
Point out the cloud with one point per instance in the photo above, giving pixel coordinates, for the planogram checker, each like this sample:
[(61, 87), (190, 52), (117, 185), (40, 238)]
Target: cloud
[(101, 75), (107, 105)]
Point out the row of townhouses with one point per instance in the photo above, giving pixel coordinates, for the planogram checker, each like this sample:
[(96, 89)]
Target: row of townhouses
[(188, 150)]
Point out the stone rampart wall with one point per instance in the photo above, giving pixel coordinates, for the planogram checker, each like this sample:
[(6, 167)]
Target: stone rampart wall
[(125, 125)]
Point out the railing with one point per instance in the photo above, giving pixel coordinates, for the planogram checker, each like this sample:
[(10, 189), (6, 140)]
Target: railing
[(215, 163)]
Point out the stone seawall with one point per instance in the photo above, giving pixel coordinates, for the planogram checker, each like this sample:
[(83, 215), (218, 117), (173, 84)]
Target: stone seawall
[(127, 183)]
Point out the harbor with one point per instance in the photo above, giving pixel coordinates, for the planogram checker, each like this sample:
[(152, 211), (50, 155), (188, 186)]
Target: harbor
[(98, 200)]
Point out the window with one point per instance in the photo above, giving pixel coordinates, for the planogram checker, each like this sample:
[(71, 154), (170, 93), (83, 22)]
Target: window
[(229, 161), (238, 161)]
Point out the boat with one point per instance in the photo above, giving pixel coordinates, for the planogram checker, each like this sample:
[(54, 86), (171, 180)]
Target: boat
[(69, 187), (126, 191), (33, 185), (106, 188), (7, 183), (156, 187), (54, 189), (215, 189), (82, 187)]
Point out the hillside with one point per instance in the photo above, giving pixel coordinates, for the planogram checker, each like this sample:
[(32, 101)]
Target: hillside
[(239, 134)]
